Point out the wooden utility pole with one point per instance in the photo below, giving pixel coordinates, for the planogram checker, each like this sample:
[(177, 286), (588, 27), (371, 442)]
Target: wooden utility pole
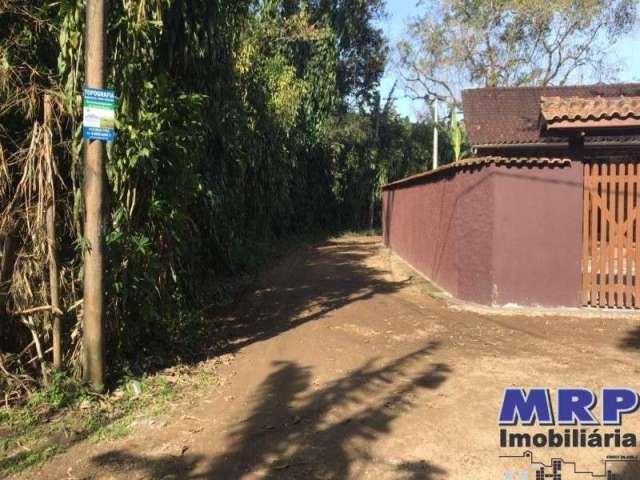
[(93, 360)]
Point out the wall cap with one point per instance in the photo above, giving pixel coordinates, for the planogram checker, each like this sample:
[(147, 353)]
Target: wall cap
[(480, 162)]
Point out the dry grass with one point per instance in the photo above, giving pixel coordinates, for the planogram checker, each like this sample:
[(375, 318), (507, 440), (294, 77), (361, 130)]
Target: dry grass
[(32, 148)]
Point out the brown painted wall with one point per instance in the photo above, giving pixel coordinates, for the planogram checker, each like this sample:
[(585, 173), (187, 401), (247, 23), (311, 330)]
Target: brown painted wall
[(494, 234), (441, 225), (538, 235)]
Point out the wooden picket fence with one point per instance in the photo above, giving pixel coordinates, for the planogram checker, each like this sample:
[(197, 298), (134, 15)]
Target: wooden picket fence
[(611, 223)]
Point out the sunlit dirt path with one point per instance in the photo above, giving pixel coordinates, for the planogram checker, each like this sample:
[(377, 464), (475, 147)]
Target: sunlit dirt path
[(345, 367)]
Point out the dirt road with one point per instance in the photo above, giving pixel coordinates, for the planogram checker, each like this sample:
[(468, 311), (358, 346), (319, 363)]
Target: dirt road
[(345, 367)]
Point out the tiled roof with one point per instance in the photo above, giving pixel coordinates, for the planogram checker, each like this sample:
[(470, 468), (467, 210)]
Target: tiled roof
[(512, 161), (594, 108), (512, 115), (482, 161)]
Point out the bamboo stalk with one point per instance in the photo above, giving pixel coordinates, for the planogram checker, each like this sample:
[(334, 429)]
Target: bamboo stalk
[(52, 245), (9, 255), (43, 308)]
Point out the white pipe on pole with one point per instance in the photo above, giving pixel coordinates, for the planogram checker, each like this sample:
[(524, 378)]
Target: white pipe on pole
[(435, 133)]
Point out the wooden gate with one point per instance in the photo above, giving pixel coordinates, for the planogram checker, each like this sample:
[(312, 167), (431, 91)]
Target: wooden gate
[(611, 223)]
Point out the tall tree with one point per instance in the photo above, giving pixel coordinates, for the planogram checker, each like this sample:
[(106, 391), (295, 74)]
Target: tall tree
[(462, 43), (362, 47)]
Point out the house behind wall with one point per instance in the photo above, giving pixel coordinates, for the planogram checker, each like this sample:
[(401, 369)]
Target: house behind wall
[(508, 225)]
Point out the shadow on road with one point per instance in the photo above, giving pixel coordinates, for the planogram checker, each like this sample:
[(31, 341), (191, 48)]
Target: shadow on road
[(631, 340), (299, 431), (310, 283)]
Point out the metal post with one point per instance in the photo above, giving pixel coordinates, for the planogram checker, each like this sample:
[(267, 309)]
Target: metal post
[(93, 360), (435, 133)]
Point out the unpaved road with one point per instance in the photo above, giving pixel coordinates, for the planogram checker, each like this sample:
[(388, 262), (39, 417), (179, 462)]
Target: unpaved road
[(345, 368)]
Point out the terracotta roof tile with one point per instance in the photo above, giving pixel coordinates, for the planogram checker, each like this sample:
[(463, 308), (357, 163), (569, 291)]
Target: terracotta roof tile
[(512, 115), (584, 108)]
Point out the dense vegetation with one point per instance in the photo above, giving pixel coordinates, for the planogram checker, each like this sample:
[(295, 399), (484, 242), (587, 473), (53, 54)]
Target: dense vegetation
[(239, 122)]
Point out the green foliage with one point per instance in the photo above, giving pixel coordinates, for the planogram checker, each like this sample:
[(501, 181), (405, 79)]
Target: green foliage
[(376, 148), (65, 413), (361, 44), (63, 391), (239, 122), (456, 135)]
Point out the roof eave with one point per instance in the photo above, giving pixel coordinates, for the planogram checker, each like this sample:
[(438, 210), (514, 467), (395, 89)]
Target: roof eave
[(617, 123), (557, 145)]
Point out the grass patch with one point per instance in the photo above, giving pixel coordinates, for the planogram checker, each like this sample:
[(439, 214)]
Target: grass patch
[(65, 413)]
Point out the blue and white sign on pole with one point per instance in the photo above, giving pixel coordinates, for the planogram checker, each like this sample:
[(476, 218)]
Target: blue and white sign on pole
[(98, 114)]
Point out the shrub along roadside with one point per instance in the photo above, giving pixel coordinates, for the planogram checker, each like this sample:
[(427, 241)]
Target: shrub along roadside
[(239, 123)]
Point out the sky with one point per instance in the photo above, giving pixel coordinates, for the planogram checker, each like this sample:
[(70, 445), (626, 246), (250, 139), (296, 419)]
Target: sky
[(400, 12)]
